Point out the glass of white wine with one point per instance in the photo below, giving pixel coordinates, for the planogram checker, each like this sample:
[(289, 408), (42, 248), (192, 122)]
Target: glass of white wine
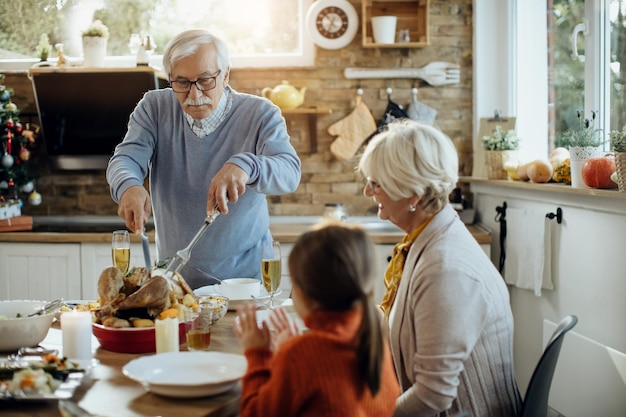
[(121, 250), (271, 269)]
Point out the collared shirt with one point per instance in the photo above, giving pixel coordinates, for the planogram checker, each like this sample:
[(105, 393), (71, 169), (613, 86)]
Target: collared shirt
[(204, 127)]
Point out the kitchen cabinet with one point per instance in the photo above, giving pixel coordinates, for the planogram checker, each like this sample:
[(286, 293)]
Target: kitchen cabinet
[(412, 16), (51, 270), (587, 251), (383, 252), (40, 271)]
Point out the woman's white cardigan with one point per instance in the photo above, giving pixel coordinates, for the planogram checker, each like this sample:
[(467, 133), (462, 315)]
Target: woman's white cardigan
[(451, 328)]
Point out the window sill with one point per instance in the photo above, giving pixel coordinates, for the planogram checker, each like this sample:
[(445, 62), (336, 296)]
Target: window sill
[(547, 187), (611, 201)]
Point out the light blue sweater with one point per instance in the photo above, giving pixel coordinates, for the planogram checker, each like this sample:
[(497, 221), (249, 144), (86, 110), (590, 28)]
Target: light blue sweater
[(180, 165)]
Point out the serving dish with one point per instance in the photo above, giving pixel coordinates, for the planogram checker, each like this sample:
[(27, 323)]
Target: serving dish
[(22, 331), (130, 339), (187, 374), (65, 388), (217, 303), (232, 303)]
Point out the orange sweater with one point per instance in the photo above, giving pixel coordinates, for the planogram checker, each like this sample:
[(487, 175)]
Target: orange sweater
[(316, 374)]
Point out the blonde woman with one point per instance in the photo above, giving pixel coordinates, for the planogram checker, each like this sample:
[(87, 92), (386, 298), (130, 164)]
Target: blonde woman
[(447, 307)]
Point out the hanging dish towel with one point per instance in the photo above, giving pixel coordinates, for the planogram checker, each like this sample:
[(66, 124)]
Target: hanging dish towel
[(352, 130), (420, 112), (528, 257), (392, 112)]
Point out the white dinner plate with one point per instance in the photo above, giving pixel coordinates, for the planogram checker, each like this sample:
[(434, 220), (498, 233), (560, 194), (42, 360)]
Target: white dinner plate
[(232, 304), (187, 374)]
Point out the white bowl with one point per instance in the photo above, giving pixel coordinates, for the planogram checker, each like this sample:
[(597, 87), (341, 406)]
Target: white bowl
[(240, 288), (17, 332)]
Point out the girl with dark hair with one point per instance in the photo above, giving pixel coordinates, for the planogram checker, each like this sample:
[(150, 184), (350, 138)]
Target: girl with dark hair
[(342, 365)]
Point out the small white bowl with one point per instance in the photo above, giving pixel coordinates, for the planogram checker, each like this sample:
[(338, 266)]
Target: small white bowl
[(240, 288), (17, 332)]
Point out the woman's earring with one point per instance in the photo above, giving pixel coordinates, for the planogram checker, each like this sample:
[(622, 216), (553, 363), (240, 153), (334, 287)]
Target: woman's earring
[(412, 208)]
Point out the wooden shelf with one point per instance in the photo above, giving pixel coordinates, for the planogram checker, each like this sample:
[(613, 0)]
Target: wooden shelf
[(311, 113), (412, 15)]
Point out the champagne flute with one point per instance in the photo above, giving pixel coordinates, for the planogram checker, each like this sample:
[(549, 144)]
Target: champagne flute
[(121, 250), (271, 268)]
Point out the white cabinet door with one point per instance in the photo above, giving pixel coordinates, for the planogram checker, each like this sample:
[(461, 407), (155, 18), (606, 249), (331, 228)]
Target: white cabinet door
[(383, 252), (40, 271), (97, 256), (285, 280)]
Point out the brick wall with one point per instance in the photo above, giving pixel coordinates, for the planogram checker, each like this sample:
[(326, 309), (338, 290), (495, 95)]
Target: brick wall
[(324, 179)]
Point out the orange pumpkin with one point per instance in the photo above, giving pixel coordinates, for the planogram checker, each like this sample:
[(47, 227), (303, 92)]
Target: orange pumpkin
[(597, 171)]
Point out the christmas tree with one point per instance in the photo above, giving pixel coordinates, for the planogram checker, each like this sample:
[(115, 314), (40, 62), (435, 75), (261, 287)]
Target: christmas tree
[(16, 140)]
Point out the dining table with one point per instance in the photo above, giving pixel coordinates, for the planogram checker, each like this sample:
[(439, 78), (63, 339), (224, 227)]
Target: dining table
[(106, 392)]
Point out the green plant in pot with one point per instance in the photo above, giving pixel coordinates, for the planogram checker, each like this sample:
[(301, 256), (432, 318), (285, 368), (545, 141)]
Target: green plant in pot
[(501, 152), (96, 29), (95, 44), (618, 146), (584, 142)]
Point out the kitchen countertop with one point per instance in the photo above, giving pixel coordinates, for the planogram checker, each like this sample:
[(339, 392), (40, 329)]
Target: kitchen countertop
[(285, 229)]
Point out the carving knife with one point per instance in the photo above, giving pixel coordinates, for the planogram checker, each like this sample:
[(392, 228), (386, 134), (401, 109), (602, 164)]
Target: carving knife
[(145, 245)]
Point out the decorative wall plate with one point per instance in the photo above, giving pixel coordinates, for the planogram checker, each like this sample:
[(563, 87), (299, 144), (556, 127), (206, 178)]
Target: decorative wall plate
[(332, 24)]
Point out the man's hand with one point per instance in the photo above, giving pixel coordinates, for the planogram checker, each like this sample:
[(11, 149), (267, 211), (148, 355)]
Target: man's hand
[(135, 208), (227, 185)]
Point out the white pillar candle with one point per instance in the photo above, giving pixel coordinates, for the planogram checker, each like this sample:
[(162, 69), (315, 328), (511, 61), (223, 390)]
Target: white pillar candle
[(76, 331), (166, 334)]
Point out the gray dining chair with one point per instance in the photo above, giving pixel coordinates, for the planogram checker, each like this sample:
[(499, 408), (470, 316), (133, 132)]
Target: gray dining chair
[(536, 398)]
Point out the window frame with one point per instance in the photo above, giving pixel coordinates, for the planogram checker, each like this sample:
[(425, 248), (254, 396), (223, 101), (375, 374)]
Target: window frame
[(304, 59), (504, 86)]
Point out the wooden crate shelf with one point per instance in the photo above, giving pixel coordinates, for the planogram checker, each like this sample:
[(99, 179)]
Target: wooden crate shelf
[(412, 15)]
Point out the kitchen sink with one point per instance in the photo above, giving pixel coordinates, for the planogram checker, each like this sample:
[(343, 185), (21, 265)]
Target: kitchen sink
[(368, 223)]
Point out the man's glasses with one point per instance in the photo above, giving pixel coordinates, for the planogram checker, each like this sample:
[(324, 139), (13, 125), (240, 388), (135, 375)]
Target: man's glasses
[(202, 84), (372, 185)]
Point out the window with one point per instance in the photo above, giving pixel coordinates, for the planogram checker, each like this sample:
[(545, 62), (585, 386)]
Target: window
[(588, 49), (260, 33), (524, 67)]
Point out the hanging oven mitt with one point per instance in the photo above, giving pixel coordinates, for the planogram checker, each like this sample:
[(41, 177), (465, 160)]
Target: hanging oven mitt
[(352, 131), (420, 112), (392, 112)]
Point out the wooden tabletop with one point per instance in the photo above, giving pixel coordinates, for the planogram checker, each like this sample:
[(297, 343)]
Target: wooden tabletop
[(107, 392)]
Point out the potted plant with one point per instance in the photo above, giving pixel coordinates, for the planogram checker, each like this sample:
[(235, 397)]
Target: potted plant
[(583, 143), (95, 44), (618, 146), (501, 151)]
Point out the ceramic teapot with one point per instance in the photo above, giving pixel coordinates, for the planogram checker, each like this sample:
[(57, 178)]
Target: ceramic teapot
[(284, 95)]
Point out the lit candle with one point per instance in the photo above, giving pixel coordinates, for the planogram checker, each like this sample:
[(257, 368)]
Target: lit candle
[(166, 334), (76, 331)]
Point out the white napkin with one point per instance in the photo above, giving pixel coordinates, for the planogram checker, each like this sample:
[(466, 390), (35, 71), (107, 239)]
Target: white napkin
[(528, 263)]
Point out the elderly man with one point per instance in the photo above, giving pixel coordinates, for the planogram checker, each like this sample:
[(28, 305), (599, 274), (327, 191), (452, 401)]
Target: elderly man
[(205, 147)]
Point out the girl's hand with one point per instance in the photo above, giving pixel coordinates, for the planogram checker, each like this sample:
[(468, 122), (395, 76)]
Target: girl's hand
[(248, 332), (284, 327)]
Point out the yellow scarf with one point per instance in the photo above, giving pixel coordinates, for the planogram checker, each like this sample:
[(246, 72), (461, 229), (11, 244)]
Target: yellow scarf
[(393, 274)]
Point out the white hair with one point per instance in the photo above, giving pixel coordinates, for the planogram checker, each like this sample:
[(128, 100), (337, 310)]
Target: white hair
[(186, 43), (410, 158)]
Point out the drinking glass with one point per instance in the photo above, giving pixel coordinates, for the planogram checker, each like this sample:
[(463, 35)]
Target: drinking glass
[(121, 250), (271, 268), (198, 331)]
